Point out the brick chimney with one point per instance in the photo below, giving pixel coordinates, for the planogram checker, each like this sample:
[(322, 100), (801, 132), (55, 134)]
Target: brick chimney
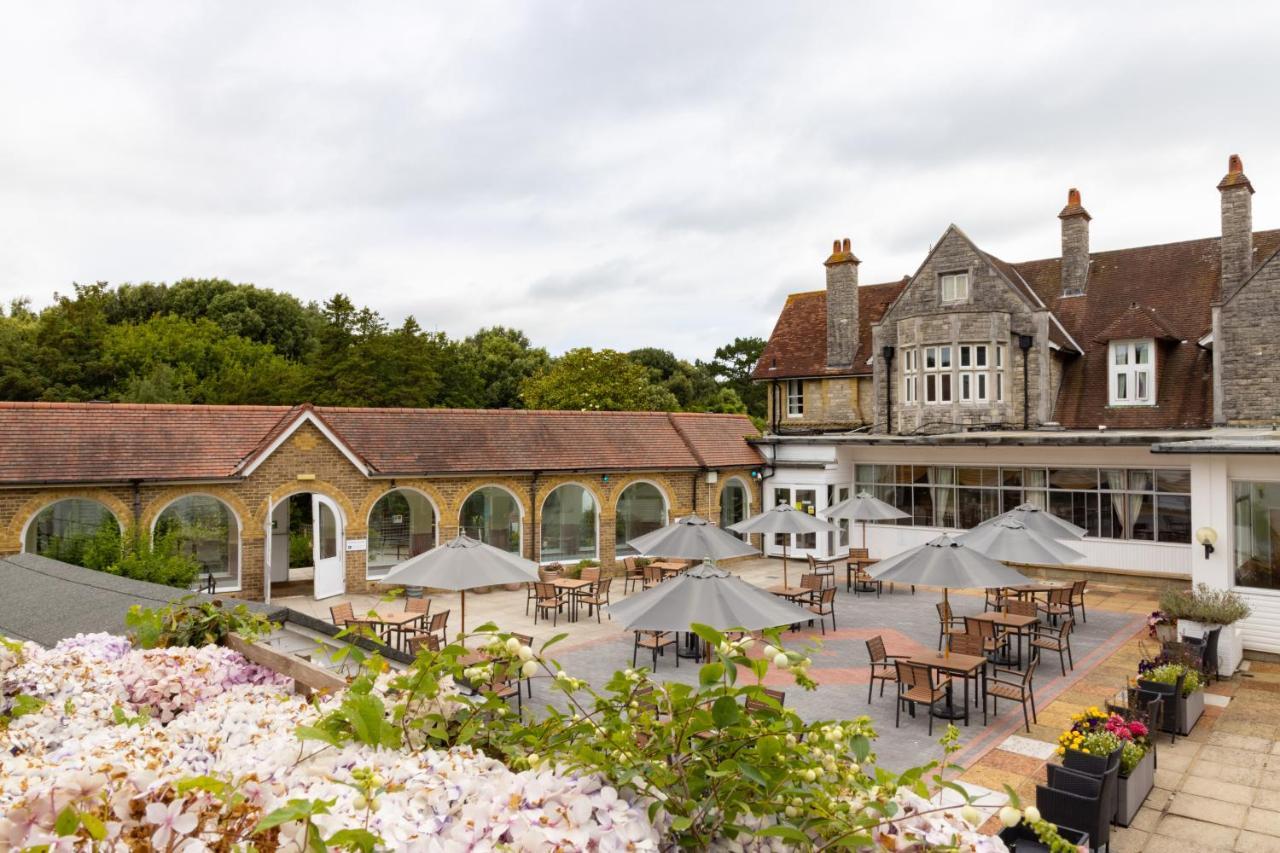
[(1237, 227), (842, 305), (1075, 245)]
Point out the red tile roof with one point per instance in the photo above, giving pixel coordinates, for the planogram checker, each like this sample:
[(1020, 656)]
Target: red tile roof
[(798, 345), (109, 442)]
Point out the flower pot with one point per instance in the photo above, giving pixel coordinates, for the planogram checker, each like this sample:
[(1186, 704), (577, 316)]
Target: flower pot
[(1135, 787), (1166, 633), (1074, 759), (1022, 839), (1230, 643), (1182, 712)]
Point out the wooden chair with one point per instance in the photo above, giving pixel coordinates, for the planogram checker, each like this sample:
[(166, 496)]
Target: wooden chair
[(439, 627), (948, 624), (655, 642), (503, 688), (530, 596), (883, 665), (814, 584), (597, 597), (632, 574), (590, 573), (823, 607), (1015, 686), (916, 686), (652, 576), (342, 614), (755, 704), (993, 639), (995, 599), (823, 567), (850, 565), (1058, 604), (528, 641), (1056, 640), (548, 598), (970, 644), (1076, 599), (1020, 607), (418, 642)]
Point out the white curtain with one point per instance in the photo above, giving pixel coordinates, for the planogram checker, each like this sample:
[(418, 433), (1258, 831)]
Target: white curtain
[(1135, 502), (942, 497), (1116, 482)]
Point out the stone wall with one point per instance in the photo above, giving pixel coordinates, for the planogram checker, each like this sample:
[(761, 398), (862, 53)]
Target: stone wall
[(308, 462), (828, 404), (1248, 350)]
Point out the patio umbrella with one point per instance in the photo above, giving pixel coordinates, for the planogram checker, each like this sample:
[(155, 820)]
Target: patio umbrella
[(462, 564), (946, 562), (1013, 542), (864, 507), (783, 518), (709, 595), (692, 538), (1041, 521)]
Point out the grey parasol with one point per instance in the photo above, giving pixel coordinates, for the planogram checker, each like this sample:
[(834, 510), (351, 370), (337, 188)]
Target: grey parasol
[(462, 564), (708, 595), (1040, 521), (1013, 542), (783, 518), (864, 507), (692, 538)]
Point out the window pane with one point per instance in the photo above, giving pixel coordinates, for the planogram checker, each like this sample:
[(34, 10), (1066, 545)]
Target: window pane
[(1073, 478), (641, 510), (1035, 477), (492, 515), (1011, 476), (805, 501), (569, 525), (982, 386), (966, 392), (1120, 353), (965, 356), (902, 474), (930, 358), (202, 528), (976, 506), (930, 388), (1142, 392), (1122, 386), (402, 524), (1111, 513), (1141, 353), (327, 526), (1140, 480), (1173, 481), (1009, 499), (945, 394), (861, 474), (1257, 539), (1173, 516), (1142, 524), (980, 356), (944, 356), (780, 496)]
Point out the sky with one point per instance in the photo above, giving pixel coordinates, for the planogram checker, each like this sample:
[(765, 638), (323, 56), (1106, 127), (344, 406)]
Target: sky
[(608, 174)]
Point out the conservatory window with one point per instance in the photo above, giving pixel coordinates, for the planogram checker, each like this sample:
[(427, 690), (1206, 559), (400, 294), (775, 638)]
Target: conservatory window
[(402, 524), (568, 525)]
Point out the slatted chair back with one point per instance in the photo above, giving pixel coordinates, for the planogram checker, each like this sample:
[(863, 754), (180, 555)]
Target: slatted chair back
[(1077, 591), (342, 613), (546, 591), (966, 644), (1061, 596), (652, 575), (827, 599), (420, 641), (591, 573), (859, 553), (439, 622), (1019, 607), (813, 564), (944, 612), (876, 650), (979, 628), (811, 581), (417, 605), (1064, 630), (754, 704)]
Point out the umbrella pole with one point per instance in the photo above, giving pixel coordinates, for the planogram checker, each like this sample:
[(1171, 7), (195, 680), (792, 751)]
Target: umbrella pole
[(784, 560), (464, 616), (946, 607), (864, 534)]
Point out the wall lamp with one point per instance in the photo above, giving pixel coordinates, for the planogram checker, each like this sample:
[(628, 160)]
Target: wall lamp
[(1207, 536)]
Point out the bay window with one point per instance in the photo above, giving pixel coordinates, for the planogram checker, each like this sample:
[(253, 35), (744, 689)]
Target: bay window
[(937, 375), (1132, 372), (909, 366)]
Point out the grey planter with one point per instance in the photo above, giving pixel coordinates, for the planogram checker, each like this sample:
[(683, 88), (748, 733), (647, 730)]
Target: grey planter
[(1184, 712), (1135, 787)]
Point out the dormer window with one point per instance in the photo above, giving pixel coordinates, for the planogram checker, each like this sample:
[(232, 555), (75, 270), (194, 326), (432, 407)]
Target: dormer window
[(1132, 372), (955, 287)]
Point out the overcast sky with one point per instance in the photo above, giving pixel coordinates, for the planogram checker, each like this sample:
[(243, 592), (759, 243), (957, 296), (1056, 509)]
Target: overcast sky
[(608, 174)]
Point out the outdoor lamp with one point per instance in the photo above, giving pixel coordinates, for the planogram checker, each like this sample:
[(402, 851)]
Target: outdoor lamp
[(1207, 536), (1025, 342)]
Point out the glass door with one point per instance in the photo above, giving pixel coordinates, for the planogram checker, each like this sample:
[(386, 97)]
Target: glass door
[(327, 547)]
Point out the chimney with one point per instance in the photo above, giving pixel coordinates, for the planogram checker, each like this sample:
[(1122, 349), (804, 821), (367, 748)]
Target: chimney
[(1237, 227), (842, 305), (1075, 245)]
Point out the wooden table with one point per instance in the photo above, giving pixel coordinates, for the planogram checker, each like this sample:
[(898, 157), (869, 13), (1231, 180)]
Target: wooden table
[(669, 568), (968, 666), (1034, 589), (573, 587), (791, 593), (1011, 622), (394, 623), (858, 565)]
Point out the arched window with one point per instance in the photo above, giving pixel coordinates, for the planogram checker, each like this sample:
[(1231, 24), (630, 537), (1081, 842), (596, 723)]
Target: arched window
[(206, 530), (75, 530), (492, 515), (735, 502), (402, 524), (641, 509), (569, 525)]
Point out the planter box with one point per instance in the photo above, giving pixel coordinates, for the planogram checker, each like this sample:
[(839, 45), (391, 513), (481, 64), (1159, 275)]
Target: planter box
[(1186, 710), (1022, 839), (1230, 643), (1135, 787)]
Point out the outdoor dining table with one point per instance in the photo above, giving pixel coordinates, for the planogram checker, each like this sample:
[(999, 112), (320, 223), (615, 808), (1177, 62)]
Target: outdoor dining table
[(669, 568), (391, 623), (1014, 623), (1034, 589), (857, 565), (573, 586), (966, 666), (790, 593)]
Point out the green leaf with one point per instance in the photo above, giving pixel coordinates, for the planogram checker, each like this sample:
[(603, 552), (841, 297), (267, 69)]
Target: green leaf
[(355, 839), (711, 674), (725, 711), (681, 822), (707, 634), (1014, 800), (293, 810), (787, 833), (752, 773), (314, 733), (549, 643), (67, 823), (24, 704), (97, 831)]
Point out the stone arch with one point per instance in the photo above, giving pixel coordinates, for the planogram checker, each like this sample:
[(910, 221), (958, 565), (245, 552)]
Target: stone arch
[(719, 495), (372, 501), (352, 523), (599, 511), (508, 488), (16, 535), (244, 516)]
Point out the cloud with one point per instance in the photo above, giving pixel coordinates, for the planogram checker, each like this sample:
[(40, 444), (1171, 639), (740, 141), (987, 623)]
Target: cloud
[(607, 173)]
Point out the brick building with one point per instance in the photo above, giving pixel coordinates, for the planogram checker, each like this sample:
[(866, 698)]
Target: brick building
[(1134, 392), (327, 500)]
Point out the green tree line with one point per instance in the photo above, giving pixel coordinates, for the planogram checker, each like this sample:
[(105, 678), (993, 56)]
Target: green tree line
[(214, 342)]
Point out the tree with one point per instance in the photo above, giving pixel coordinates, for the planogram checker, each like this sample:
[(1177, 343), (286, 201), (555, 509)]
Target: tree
[(691, 385), (731, 367), (503, 359), (596, 380)]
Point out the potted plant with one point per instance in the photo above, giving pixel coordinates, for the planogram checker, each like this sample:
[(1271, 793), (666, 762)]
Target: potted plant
[(1162, 627), (1182, 688), (1088, 736), (1200, 610)]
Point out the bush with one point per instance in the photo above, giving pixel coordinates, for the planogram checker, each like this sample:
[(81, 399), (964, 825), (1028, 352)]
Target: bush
[(1167, 673), (190, 623), (1205, 605), (159, 561)]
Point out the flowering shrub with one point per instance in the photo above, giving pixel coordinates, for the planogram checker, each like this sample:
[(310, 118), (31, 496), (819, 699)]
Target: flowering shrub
[(1163, 671), (1097, 732), (1156, 619)]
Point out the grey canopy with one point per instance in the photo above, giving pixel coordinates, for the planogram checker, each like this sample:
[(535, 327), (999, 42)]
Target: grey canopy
[(1040, 521), (864, 507), (462, 564), (692, 538), (1013, 542), (948, 563), (708, 595), (783, 518)]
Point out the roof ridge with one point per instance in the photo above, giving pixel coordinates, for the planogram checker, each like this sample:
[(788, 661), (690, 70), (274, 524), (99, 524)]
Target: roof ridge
[(168, 407), (688, 442), (1263, 232)]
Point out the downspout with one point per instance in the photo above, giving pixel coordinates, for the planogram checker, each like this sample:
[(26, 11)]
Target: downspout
[(695, 493), (1024, 343), (137, 512), (535, 544), (887, 352), (774, 392)]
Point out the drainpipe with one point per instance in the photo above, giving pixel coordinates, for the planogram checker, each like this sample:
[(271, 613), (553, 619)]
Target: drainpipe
[(776, 402), (694, 511), (1024, 344), (535, 545), (137, 511), (887, 352)]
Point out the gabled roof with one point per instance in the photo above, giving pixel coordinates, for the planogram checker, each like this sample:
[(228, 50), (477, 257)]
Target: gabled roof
[(798, 346), (114, 442), (1136, 321)]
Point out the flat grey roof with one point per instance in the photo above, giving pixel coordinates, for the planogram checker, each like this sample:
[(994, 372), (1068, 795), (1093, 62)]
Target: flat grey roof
[(1159, 441), (45, 600)]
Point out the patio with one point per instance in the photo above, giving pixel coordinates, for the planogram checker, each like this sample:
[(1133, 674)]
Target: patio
[(907, 623)]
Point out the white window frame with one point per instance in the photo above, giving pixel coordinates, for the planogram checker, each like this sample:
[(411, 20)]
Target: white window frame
[(999, 373), (972, 381), (954, 286), (910, 386), (1124, 379), (795, 398), (940, 377)]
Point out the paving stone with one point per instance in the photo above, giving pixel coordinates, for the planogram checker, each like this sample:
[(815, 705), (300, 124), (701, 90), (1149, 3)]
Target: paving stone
[(1239, 741), (1158, 799), (1128, 840), (1029, 747), (1181, 830), (1265, 799), (1218, 790), (1208, 810), (1236, 757), (1146, 818), (1168, 779), (1264, 821), (1256, 842), (1225, 772), (1178, 761), (1170, 844)]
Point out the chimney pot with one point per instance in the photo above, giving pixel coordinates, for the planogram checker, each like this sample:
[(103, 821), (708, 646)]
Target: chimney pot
[(1073, 196), (835, 247), (1235, 165), (844, 245)]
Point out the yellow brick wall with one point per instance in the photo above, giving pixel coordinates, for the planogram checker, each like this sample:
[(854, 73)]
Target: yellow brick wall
[(831, 402), (308, 453)]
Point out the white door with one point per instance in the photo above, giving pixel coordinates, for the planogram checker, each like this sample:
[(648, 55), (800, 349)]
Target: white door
[(327, 547)]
